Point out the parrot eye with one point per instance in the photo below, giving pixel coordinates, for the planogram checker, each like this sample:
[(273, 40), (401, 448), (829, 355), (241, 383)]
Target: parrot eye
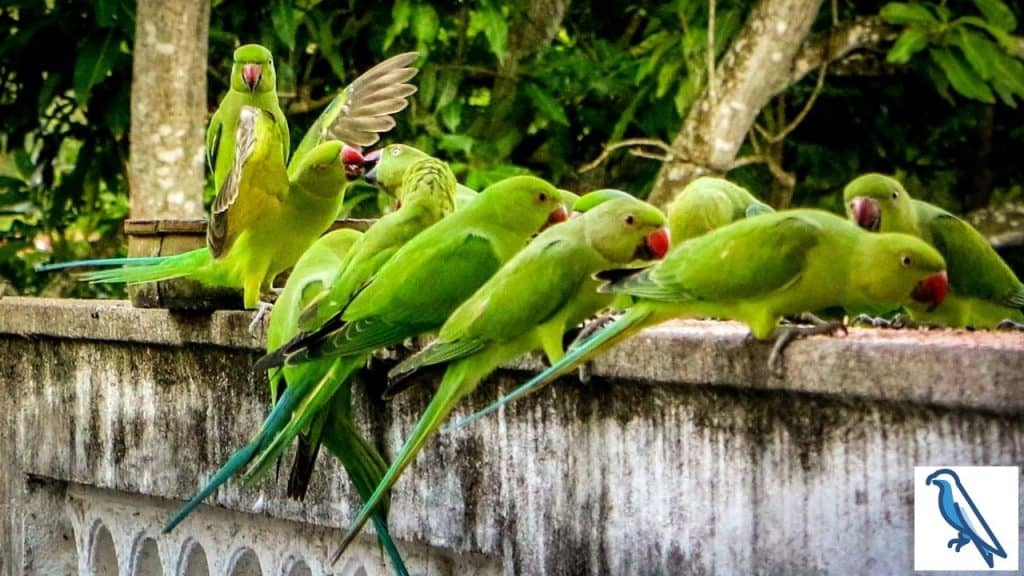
[(630, 219), (906, 261), (396, 150), (895, 194), (543, 197)]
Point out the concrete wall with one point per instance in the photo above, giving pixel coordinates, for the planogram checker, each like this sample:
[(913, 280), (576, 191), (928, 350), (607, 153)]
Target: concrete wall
[(681, 455)]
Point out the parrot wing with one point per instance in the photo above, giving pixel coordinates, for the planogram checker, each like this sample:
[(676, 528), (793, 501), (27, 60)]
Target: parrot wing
[(729, 263), (362, 111), (975, 269)]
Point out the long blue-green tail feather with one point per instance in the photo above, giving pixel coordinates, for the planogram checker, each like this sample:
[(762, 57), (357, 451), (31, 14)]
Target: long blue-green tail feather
[(577, 355), (140, 260), (277, 418)]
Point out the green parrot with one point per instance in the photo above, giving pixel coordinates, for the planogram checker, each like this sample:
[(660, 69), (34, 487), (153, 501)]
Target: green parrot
[(758, 270), (296, 212), (708, 203), (433, 273), (528, 304), (312, 274), (253, 84), (399, 157), (426, 195), (984, 292), (429, 196), (266, 215)]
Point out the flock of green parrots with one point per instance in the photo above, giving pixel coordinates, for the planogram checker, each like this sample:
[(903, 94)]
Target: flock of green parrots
[(516, 268)]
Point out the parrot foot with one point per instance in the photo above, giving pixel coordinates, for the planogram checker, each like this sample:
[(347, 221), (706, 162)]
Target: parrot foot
[(1011, 325), (592, 327), (787, 334), (260, 320), (960, 541), (871, 321), (583, 371)]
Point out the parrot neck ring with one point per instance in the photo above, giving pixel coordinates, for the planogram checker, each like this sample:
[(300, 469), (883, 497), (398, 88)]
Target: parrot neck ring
[(251, 75)]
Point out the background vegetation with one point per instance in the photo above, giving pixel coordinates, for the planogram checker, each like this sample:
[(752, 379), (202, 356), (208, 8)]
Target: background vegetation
[(507, 89)]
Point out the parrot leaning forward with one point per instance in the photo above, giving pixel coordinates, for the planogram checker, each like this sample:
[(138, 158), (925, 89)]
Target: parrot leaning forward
[(983, 291), (758, 270), (528, 304), (708, 203)]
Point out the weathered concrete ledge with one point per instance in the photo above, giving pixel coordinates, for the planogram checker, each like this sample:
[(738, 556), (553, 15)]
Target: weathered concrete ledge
[(682, 455), (953, 368)]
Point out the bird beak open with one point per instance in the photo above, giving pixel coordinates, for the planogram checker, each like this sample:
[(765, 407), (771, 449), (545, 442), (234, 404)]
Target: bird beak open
[(251, 74), (656, 245), (353, 161), (370, 162), (560, 214), (866, 213), (931, 290)]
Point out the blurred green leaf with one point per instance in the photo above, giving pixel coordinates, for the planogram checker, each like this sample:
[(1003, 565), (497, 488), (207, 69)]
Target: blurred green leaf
[(910, 42), (903, 13), (95, 59), (546, 104), (961, 76), (997, 14)]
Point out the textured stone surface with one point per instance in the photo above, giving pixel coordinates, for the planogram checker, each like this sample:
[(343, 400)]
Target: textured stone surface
[(680, 456)]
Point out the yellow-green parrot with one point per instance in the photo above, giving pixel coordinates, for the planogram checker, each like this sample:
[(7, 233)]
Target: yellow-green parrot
[(758, 270), (433, 273), (296, 212), (265, 216), (312, 274), (253, 84), (528, 304), (399, 157), (984, 292), (708, 203)]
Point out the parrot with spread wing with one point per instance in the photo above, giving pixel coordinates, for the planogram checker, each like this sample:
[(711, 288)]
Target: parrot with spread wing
[(708, 203), (265, 214), (528, 304), (302, 209), (984, 292), (758, 270)]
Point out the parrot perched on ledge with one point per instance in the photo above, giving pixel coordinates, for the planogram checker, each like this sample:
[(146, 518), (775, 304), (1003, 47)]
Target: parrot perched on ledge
[(267, 212), (984, 292), (708, 203), (528, 304), (758, 270)]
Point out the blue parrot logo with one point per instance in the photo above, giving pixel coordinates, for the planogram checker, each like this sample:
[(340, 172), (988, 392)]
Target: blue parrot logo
[(958, 510)]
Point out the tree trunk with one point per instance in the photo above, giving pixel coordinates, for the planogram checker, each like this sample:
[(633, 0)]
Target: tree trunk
[(757, 66), (168, 106)]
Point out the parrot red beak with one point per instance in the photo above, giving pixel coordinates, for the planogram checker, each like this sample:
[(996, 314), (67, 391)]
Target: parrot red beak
[(251, 74), (658, 243), (370, 162), (866, 213), (931, 290), (560, 214), (352, 159)]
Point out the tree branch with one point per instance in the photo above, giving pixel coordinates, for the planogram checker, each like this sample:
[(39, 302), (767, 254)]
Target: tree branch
[(841, 42)]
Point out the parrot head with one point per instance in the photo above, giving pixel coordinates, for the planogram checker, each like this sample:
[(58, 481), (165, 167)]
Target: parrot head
[(623, 228), (525, 203), (327, 168), (386, 167), (253, 70), (878, 203), (429, 180), (901, 269)]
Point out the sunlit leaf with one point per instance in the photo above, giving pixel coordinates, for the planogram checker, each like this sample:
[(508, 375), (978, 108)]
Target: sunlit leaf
[(546, 104), (961, 76), (903, 13), (997, 14), (94, 61), (910, 42)]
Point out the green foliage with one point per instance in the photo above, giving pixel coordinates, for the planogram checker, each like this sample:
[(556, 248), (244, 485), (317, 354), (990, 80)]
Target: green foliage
[(502, 91), (974, 53)]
